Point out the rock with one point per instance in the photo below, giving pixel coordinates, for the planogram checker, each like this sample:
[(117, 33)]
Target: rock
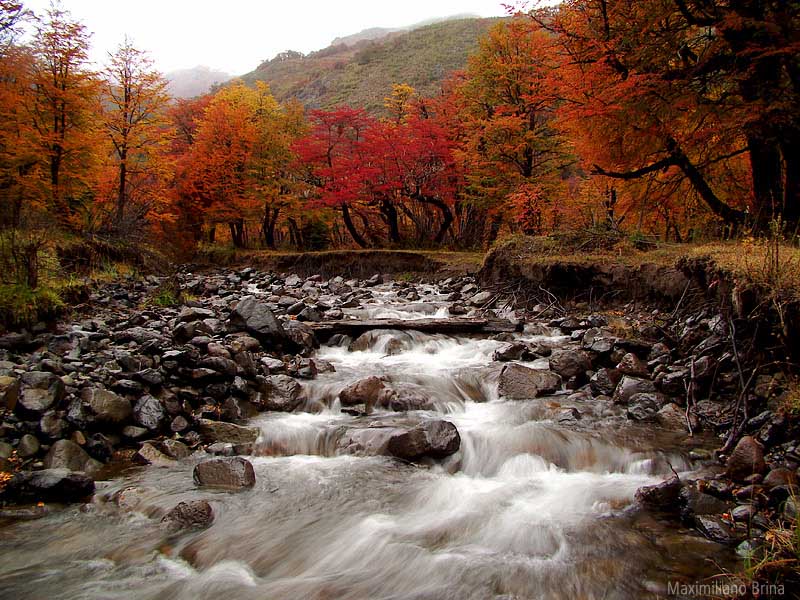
[(107, 407), (255, 317), (696, 502), (229, 472), (570, 363), (743, 513), (279, 393), (50, 485), (175, 449), (481, 298), (367, 391), (309, 314), (605, 381), (179, 424), (779, 476), (196, 514), (28, 446), (671, 415), (66, 454), (52, 426), (663, 497), (217, 431), (568, 416), (674, 382), (150, 455), (747, 458), (149, 413), (6, 450), (509, 352), (407, 399), (9, 392), (633, 366), (301, 335), (517, 382), (629, 386), (190, 313), (645, 407), (791, 508), (432, 439), (133, 432), (715, 529), (40, 392)]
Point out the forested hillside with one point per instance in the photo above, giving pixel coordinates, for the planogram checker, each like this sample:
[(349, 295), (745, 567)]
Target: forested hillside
[(361, 74)]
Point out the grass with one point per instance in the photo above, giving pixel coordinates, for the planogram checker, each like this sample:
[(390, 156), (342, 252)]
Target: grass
[(21, 306), (767, 263)]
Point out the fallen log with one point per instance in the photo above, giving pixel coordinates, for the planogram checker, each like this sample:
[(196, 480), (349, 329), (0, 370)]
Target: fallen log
[(324, 330)]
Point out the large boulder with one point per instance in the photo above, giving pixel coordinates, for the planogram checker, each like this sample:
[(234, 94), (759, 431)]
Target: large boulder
[(49, 485), (746, 459), (149, 413), (107, 407), (196, 514), (256, 318), (570, 363), (228, 472), (432, 439), (66, 454), (218, 431), (664, 496), (605, 381), (369, 391), (40, 392), (522, 383)]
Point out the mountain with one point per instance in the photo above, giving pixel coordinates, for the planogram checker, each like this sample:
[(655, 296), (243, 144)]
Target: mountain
[(376, 33), (361, 73), (188, 83)]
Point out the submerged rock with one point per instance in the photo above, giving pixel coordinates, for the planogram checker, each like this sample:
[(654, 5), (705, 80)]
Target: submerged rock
[(197, 514)]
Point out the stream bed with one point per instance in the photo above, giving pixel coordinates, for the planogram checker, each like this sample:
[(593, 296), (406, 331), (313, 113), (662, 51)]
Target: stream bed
[(537, 503)]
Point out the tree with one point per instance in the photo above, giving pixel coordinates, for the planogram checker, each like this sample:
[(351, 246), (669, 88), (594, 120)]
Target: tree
[(685, 89), (11, 13), (134, 120), (62, 107)]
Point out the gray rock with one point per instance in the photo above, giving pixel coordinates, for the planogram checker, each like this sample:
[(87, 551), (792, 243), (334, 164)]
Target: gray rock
[(256, 318), (28, 446), (196, 514), (230, 472), (509, 352), (218, 431), (715, 529), (432, 439), (605, 381), (629, 386), (645, 407), (40, 392), (50, 485), (149, 413), (66, 454), (481, 298), (570, 363), (517, 382), (52, 426), (107, 407)]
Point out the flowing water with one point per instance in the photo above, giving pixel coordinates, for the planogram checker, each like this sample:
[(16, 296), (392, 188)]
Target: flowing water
[(530, 507)]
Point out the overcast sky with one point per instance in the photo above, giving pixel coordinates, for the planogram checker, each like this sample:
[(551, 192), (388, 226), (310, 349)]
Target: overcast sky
[(236, 35)]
